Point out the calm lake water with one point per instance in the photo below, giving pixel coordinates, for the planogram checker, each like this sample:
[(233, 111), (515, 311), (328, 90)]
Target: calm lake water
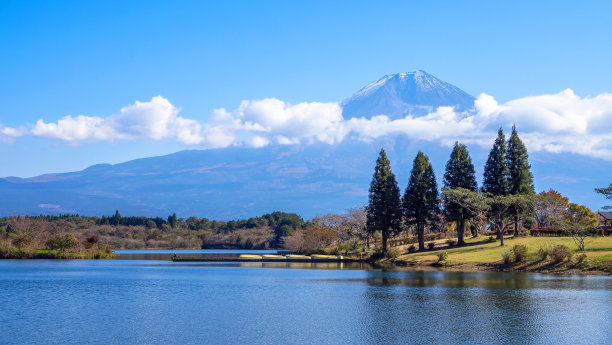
[(160, 302)]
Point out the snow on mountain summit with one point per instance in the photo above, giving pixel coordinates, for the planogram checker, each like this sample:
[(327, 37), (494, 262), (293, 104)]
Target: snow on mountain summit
[(397, 95)]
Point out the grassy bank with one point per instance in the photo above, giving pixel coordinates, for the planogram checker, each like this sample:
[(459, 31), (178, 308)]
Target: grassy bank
[(9, 252), (481, 253)]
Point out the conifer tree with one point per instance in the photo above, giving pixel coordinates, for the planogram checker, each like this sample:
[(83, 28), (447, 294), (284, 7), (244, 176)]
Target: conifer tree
[(420, 201), (384, 211), (520, 179), (495, 179), (459, 174)]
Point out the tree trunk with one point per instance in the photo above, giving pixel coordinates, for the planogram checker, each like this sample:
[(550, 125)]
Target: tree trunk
[(421, 234), (384, 241), (474, 230), (460, 229), (517, 231)]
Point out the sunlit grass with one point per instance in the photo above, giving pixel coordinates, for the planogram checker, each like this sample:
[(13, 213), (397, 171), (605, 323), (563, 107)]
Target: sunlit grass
[(482, 251)]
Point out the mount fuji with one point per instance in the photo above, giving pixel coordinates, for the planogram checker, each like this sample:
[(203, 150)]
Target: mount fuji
[(396, 95), (308, 179)]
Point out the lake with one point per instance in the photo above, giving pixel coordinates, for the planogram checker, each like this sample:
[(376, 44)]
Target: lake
[(161, 302)]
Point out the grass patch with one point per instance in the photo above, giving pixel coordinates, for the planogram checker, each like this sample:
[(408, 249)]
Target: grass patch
[(481, 251)]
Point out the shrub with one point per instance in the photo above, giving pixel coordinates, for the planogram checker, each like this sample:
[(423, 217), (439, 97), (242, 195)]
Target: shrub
[(520, 252), (442, 256), (106, 249), (62, 242), (393, 253), (580, 258), (5, 249), (506, 257), (412, 248), (248, 244), (560, 253), (431, 245), (492, 239), (543, 253), (91, 241), (529, 222), (451, 242)]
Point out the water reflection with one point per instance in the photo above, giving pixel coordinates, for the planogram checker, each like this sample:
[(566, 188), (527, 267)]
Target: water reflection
[(459, 307), (484, 280)]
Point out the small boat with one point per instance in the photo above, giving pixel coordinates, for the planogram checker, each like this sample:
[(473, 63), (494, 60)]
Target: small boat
[(298, 257), (250, 256), (270, 256), (325, 257)]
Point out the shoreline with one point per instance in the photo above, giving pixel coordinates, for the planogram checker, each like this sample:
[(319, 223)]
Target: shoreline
[(494, 267)]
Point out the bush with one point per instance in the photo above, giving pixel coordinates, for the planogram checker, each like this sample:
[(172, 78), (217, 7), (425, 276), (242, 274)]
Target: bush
[(106, 249), (492, 239), (393, 253), (451, 242), (442, 256), (529, 222), (580, 259), (62, 242), (543, 253), (91, 241), (412, 248), (520, 252), (560, 253), (431, 245), (506, 257)]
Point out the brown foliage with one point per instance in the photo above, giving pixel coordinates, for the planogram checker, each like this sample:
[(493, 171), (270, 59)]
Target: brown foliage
[(311, 239)]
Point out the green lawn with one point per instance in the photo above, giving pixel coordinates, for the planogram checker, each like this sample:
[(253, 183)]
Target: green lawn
[(481, 251)]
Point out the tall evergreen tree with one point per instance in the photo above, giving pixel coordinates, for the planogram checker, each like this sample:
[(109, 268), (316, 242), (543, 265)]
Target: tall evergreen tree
[(495, 179), (459, 174), (420, 201), (520, 179), (384, 212)]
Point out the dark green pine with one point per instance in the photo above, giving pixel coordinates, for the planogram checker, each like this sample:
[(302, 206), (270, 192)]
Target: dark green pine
[(459, 171), (384, 212), (519, 170), (420, 201), (495, 179)]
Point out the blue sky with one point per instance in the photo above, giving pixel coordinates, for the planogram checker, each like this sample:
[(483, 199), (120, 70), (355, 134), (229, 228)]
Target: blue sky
[(93, 58)]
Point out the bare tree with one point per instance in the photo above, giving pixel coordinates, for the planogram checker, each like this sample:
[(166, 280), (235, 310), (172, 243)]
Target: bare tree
[(357, 219)]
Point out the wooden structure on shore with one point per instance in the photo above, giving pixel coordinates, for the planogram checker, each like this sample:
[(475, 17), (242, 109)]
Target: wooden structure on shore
[(606, 217)]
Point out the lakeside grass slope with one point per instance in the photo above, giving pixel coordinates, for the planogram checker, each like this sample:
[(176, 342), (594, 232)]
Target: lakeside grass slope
[(480, 252)]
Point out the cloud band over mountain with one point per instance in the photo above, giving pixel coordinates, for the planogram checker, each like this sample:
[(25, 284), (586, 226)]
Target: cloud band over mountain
[(556, 123)]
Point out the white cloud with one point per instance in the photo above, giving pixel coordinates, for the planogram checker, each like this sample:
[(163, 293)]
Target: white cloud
[(9, 134), (562, 122), (155, 120)]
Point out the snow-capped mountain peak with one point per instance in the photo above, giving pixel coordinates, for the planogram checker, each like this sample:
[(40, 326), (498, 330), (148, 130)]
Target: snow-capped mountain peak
[(399, 94)]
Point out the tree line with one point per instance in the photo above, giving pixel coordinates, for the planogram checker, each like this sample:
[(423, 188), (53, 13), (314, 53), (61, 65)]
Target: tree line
[(505, 200)]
